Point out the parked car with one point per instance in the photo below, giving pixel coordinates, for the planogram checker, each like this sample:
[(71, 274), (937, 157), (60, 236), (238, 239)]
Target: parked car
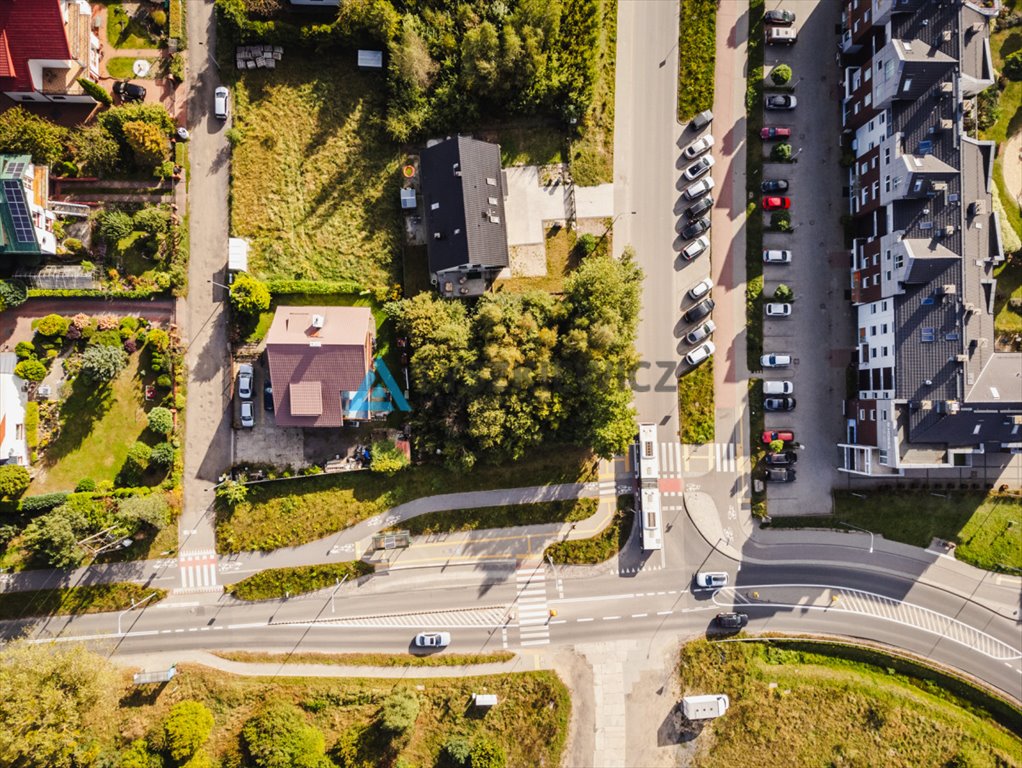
[(182, 133), (732, 620), (247, 414), (695, 248), (781, 18), (268, 399), (781, 36), (774, 185), (781, 459), (776, 257), (776, 203), (699, 189), (245, 381), (785, 435), (700, 333), (779, 404), (695, 228), (699, 311), (700, 353), (781, 101), (700, 289), (702, 120), (701, 207), (780, 475), (221, 98), (778, 309), (775, 360), (699, 167), (699, 146), (774, 132), (711, 579), (129, 91), (433, 639), (778, 387)]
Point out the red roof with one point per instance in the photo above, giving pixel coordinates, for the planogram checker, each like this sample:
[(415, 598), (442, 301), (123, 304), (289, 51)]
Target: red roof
[(29, 29)]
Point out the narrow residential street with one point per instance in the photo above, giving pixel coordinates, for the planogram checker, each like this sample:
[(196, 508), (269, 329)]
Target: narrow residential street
[(203, 318)]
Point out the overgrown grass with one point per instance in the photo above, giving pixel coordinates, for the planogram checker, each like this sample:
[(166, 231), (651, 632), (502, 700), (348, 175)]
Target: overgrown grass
[(125, 31), (757, 423), (695, 404), (592, 155), (565, 511), (292, 512), (178, 29), (120, 67), (987, 529), (1009, 286), (803, 708), (601, 547), (368, 659), (526, 141), (283, 582), (754, 175), (92, 598), (314, 178), (561, 259), (697, 45)]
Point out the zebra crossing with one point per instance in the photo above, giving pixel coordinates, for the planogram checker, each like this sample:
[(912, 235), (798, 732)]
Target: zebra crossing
[(198, 572), (531, 603), (676, 459), (458, 618)]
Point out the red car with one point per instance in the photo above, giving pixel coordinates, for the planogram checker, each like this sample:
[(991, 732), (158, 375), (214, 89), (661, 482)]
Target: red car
[(775, 132), (776, 203), (785, 435)]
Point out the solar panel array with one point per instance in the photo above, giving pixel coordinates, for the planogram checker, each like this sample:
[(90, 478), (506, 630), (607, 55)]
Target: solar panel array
[(15, 169), (14, 192)]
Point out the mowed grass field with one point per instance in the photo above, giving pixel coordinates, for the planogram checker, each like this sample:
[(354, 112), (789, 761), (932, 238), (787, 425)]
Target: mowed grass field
[(314, 178), (795, 709)]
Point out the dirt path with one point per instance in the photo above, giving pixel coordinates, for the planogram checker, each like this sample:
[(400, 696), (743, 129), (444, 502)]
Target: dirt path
[(1012, 166)]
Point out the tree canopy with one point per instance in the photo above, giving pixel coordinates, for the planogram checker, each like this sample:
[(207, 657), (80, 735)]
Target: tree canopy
[(22, 132), (249, 296), (279, 737)]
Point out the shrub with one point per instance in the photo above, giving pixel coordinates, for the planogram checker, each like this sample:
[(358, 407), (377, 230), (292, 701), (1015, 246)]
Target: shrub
[(30, 370), (14, 480), (783, 293), (386, 458), (776, 446), (232, 492), (161, 421), (162, 455), (22, 132), (158, 339), (279, 737), (1013, 66), (781, 152), (130, 347), (187, 727), (44, 502), (249, 296), (75, 247), (137, 755), (176, 69), (152, 220), (96, 149), (86, 484), (67, 169), (96, 91), (163, 381), (780, 74), (107, 338), (115, 225), (101, 364), (159, 17), (400, 711), (135, 465), (458, 750), (12, 294), (781, 221), (24, 350), (585, 245), (487, 754), (146, 141), (52, 325)]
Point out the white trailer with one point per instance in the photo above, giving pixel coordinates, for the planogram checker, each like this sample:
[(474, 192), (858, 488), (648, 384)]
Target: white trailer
[(705, 707)]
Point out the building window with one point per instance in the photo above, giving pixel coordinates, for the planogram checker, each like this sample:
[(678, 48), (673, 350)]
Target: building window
[(887, 183), (887, 256), (884, 351), (899, 260), (883, 118), (872, 308), (888, 275), (872, 414), (882, 456), (869, 99), (857, 106), (876, 258), (876, 193), (19, 432), (883, 305), (863, 168), (855, 27), (907, 86), (862, 414), (865, 17), (872, 330), (883, 328), (873, 354), (865, 282), (873, 163), (876, 279), (888, 69), (862, 333), (883, 415)]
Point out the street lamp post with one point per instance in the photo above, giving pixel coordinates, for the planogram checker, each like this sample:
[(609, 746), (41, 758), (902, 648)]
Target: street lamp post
[(335, 591), (219, 285), (849, 525), (134, 605)]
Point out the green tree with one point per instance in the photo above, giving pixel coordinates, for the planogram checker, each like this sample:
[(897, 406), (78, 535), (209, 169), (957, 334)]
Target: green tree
[(96, 91), (160, 420), (53, 537), (95, 149), (22, 132), (24, 350), (480, 50), (30, 370), (135, 463), (279, 737), (585, 245), (781, 152), (400, 711), (249, 296), (781, 221), (783, 292), (156, 114), (13, 293), (776, 446), (232, 493), (780, 74), (410, 58), (153, 220), (14, 480), (115, 225), (188, 726), (152, 510), (1013, 66), (158, 339), (486, 753), (387, 458), (163, 454), (458, 750), (101, 364), (138, 755), (52, 325), (146, 141), (375, 19)]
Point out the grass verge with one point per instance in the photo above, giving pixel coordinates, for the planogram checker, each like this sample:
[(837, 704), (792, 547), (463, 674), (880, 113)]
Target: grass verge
[(754, 175), (695, 404), (285, 582), (697, 46), (592, 155), (124, 31), (120, 67), (92, 598), (1009, 286), (986, 528), (757, 423), (296, 511), (565, 511), (368, 659), (601, 547), (807, 708), (561, 260)]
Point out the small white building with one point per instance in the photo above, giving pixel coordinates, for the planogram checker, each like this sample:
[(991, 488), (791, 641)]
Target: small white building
[(705, 707), (13, 399), (237, 255), (372, 60)]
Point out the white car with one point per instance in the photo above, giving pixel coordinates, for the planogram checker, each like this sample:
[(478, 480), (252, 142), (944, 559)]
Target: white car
[(778, 309), (702, 332), (247, 414), (711, 579), (700, 353), (775, 360), (433, 639), (245, 381), (699, 189), (698, 146), (221, 97), (777, 257), (696, 247), (778, 388), (698, 168), (700, 289)]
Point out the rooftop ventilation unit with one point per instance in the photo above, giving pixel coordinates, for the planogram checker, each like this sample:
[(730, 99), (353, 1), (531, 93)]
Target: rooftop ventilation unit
[(949, 230), (977, 208), (946, 124), (962, 358), (947, 88), (953, 406), (318, 321), (926, 225), (976, 27), (954, 197), (946, 35)]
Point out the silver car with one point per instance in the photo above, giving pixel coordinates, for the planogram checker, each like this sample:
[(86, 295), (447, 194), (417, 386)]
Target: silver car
[(700, 353), (699, 189), (245, 374), (433, 639), (698, 146), (220, 102), (247, 414), (776, 257), (702, 332), (778, 309), (775, 360)]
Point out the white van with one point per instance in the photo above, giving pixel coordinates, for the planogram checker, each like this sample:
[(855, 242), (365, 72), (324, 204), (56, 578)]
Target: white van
[(781, 36)]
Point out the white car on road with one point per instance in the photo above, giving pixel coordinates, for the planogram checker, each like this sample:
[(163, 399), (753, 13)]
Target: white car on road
[(775, 360), (696, 247), (711, 579), (778, 309), (698, 146), (700, 289), (433, 639), (698, 168), (778, 388), (777, 257), (245, 381), (247, 414), (699, 189), (221, 97), (700, 353), (702, 332)]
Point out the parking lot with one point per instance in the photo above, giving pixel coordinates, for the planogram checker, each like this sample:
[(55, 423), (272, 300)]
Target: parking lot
[(818, 334)]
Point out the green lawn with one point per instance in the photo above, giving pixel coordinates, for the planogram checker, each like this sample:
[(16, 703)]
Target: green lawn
[(754, 175), (526, 140), (368, 659), (697, 46), (566, 511), (292, 512), (696, 412), (561, 259), (97, 428), (283, 582), (1009, 286), (808, 709), (314, 178), (125, 32), (93, 598), (120, 67), (599, 548), (592, 155), (757, 451), (987, 529)]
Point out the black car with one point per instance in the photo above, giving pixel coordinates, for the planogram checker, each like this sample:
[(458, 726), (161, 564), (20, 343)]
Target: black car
[(129, 91), (780, 475), (781, 459), (781, 18), (699, 311), (775, 185), (732, 620), (695, 229), (779, 403), (699, 208), (268, 399)]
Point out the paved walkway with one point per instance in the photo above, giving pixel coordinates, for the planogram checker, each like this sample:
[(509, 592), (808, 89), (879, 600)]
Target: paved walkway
[(530, 203)]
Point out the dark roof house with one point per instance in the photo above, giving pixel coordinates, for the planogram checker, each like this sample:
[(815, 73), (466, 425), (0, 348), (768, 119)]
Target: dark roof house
[(463, 192)]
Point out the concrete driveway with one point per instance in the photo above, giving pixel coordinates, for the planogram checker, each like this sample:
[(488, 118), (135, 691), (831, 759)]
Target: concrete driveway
[(819, 332), (530, 202)]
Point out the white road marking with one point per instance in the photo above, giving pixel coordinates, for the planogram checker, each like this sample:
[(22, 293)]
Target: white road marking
[(639, 615), (664, 613), (581, 620), (611, 618)]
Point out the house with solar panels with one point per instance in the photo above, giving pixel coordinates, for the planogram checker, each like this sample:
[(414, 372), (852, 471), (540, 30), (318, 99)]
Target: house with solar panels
[(26, 226)]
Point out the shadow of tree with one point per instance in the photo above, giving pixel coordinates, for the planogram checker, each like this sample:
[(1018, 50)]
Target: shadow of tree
[(86, 405)]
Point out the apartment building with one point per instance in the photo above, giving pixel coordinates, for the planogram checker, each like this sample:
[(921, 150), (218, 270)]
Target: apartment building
[(931, 392)]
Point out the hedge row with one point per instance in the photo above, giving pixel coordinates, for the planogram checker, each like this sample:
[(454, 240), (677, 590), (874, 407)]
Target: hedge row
[(331, 287), (83, 293)]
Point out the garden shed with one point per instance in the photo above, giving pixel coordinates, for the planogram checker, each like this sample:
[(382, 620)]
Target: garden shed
[(371, 60)]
